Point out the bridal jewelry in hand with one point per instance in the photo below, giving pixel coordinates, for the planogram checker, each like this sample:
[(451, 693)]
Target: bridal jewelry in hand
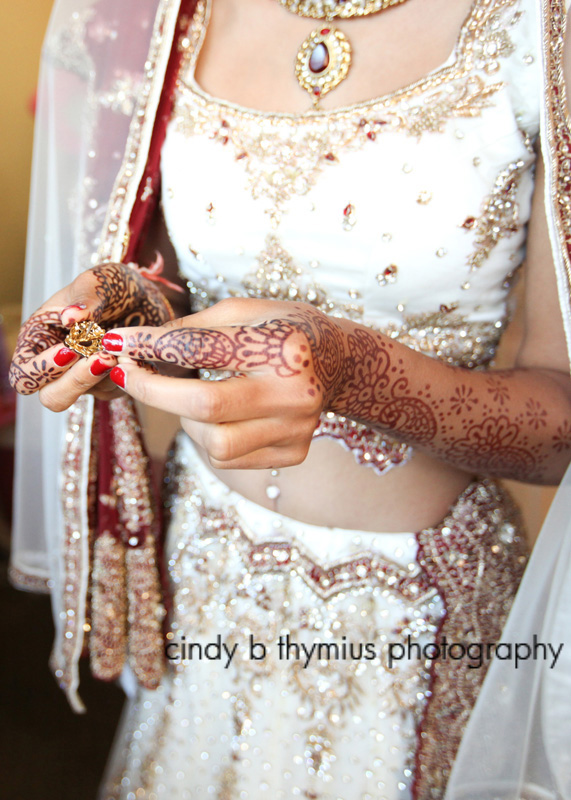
[(85, 338)]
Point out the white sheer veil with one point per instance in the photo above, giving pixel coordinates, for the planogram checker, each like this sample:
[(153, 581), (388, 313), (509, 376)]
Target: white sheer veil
[(92, 68), (518, 741)]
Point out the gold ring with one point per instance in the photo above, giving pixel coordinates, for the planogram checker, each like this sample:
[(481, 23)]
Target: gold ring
[(84, 338)]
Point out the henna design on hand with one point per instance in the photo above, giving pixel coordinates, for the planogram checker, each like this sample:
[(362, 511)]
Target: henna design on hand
[(41, 331), (127, 298), (249, 348), (124, 297), (326, 342)]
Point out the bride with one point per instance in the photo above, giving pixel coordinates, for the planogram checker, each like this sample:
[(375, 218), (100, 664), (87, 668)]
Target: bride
[(344, 190)]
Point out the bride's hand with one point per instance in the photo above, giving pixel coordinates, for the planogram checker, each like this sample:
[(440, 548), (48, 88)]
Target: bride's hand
[(288, 361), (109, 293)]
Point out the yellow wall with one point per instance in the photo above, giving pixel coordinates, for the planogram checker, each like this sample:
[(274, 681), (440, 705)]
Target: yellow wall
[(23, 24)]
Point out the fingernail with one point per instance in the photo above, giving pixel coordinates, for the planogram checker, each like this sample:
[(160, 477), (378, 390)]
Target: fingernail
[(113, 342), (117, 375), (72, 320), (64, 356), (99, 367)]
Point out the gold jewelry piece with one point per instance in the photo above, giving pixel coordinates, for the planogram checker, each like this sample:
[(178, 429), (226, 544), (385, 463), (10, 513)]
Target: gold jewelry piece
[(324, 58), (344, 9), (322, 62), (84, 338)]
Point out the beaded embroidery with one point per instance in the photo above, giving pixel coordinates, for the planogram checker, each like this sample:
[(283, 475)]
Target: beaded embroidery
[(297, 154), (226, 579)]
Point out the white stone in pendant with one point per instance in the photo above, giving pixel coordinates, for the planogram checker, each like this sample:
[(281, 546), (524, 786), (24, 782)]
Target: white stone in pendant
[(273, 492), (319, 59)]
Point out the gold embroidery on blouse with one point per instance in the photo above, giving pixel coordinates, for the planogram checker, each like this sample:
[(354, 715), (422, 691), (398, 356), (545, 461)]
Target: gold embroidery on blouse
[(500, 214), (283, 154), (448, 336), (279, 278)]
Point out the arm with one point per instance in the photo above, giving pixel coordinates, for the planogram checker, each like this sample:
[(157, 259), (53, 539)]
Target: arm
[(514, 423)]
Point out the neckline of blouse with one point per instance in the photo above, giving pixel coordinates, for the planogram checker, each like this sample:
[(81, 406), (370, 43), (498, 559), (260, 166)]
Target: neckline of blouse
[(455, 66)]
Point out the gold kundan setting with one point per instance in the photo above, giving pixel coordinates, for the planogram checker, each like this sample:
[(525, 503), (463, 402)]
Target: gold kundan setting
[(84, 338), (322, 62), (324, 58)]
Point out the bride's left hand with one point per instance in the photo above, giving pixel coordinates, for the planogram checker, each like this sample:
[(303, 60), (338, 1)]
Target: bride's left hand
[(288, 358)]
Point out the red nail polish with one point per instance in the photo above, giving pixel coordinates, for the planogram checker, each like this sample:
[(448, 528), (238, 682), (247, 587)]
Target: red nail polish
[(64, 356), (80, 306), (113, 342), (117, 375), (99, 367)]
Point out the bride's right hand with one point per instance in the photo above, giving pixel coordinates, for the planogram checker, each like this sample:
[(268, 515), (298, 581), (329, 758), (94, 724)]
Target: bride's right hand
[(109, 293)]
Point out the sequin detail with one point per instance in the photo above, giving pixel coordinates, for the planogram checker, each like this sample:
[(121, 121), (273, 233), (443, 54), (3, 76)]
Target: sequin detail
[(448, 336), (279, 278), (107, 641), (136, 513), (370, 447), (27, 582), (500, 214), (76, 544), (476, 557)]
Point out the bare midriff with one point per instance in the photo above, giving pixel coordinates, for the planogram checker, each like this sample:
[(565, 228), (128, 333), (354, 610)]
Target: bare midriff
[(329, 488)]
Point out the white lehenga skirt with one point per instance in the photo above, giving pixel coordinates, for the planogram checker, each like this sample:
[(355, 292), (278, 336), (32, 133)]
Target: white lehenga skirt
[(312, 662)]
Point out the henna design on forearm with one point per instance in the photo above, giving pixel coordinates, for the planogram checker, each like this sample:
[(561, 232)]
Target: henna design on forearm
[(562, 437), (377, 389), (486, 423), (491, 446), (482, 423)]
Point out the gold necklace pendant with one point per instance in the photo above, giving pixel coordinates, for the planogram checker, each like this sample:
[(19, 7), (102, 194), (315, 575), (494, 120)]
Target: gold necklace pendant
[(323, 61)]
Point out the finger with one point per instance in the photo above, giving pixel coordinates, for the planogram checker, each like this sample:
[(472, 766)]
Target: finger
[(204, 401), (30, 376), (275, 345), (40, 332), (76, 381), (266, 458), (230, 441)]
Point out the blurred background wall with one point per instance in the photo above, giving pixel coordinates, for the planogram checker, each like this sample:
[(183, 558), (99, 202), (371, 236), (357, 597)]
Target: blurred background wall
[(23, 23)]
